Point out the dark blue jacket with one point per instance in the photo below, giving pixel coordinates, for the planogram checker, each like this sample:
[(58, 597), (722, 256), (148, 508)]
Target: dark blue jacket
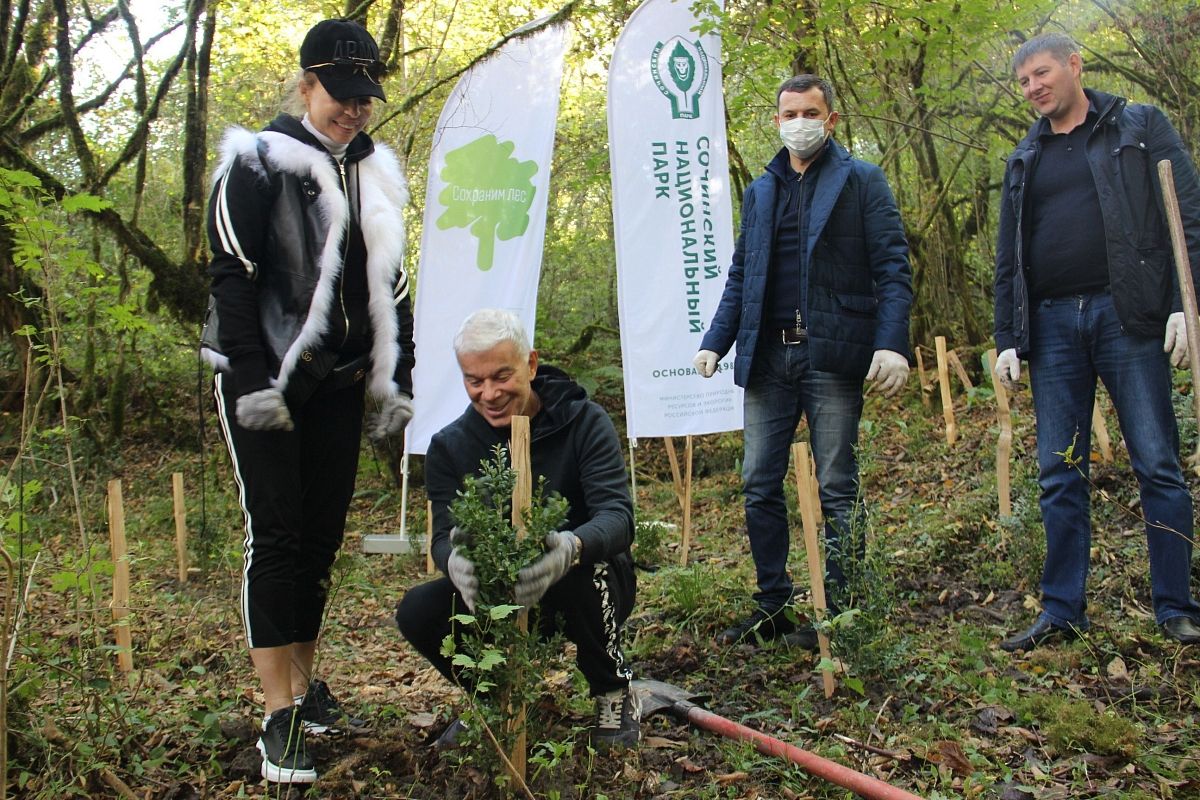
[(859, 282), (1123, 151)]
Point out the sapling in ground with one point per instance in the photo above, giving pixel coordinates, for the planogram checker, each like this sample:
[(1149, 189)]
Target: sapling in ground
[(500, 666)]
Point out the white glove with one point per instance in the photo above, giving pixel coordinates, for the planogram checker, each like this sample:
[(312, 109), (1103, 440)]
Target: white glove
[(889, 370), (706, 363), (534, 580), (1008, 369), (462, 571), (264, 410), (391, 418), (1176, 342)]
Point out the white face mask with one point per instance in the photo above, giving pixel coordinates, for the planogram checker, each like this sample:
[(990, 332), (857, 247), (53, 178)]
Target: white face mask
[(803, 137)]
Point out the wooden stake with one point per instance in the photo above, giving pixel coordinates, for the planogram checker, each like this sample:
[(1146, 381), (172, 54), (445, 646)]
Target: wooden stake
[(429, 537), (922, 386), (816, 493), (521, 500), (181, 553), (687, 505), (944, 381), (1004, 441), (1100, 429), (816, 569), (676, 479), (959, 369), (1187, 288), (120, 556)]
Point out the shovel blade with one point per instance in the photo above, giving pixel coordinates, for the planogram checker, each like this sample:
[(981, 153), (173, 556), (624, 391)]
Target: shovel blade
[(657, 696)]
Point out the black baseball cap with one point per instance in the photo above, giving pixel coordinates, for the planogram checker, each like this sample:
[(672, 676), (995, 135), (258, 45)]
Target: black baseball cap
[(345, 57)]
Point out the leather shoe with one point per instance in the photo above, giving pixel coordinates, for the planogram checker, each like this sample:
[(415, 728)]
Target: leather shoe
[(1182, 629), (761, 625), (805, 638), (1041, 632)]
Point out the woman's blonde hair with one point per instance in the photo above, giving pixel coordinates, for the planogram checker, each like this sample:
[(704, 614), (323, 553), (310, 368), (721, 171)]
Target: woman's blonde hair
[(293, 96)]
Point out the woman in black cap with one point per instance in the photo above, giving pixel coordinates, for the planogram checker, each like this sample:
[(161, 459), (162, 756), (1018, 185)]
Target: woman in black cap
[(309, 311)]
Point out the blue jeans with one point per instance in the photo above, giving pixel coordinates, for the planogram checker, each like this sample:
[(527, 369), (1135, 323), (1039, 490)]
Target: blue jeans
[(781, 387), (1074, 341)]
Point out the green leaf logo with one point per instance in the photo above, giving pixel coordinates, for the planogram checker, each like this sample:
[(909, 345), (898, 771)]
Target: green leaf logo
[(680, 71), (487, 191)]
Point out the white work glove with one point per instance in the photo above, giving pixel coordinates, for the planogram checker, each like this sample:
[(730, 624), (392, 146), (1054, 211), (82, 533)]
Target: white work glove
[(462, 570), (535, 579), (391, 418), (1176, 342), (264, 410), (1008, 369), (706, 363), (889, 371)]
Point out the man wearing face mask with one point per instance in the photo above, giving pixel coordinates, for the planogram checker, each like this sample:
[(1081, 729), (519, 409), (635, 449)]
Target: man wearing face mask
[(817, 300)]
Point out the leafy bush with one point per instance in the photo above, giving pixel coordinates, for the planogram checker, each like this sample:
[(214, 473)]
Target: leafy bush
[(499, 664)]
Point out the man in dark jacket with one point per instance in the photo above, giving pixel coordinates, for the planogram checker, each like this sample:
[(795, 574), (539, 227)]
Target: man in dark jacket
[(1085, 287), (817, 299), (585, 579)]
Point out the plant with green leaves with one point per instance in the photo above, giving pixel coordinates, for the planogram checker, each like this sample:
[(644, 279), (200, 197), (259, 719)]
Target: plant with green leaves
[(497, 662)]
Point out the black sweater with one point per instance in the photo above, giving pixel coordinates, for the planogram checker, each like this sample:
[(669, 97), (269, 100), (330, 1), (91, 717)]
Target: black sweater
[(572, 443)]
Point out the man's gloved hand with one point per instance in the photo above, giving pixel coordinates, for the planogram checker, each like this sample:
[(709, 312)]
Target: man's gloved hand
[(264, 410), (391, 418), (535, 579), (889, 370), (462, 570), (706, 363), (1176, 342), (1008, 369)]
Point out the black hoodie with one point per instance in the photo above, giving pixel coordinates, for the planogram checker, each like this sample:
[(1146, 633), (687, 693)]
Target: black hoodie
[(572, 443)]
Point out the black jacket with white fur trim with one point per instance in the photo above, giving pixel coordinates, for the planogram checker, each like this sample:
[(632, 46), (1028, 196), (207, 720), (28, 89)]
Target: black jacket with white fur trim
[(307, 273)]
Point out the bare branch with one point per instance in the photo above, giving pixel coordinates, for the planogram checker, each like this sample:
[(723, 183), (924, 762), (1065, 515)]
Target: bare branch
[(66, 100), (562, 15)]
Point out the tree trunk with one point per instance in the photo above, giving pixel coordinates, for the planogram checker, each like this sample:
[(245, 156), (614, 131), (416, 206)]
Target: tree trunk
[(195, 148)]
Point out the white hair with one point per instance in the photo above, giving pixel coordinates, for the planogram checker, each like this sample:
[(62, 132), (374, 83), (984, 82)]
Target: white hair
[(293, 92), (488, 327)]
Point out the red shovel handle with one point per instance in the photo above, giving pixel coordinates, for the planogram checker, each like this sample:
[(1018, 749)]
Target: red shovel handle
[(857, 782)]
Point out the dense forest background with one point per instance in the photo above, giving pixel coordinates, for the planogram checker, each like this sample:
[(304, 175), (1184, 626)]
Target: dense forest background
[(126, 104), (110, 122)]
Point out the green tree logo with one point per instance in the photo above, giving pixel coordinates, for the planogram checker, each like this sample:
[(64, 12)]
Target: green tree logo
[(487, 191), (680, 70)]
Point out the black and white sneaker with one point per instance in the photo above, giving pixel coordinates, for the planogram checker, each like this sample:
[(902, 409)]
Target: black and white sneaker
[(618, 720), (320, 712), (285, 759)]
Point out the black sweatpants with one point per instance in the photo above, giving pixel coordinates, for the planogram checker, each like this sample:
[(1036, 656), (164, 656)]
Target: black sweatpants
[(294, 488), (594, 600)]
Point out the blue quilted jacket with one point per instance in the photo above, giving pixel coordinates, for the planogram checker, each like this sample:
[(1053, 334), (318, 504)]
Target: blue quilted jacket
[(859, 281)]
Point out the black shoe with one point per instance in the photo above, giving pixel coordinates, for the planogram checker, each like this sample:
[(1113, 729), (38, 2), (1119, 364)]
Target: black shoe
[(759, 625), (618, 720), (321, 713), (285, 759), (805, 638), (1182, 629), (1039, 633), (449, 737)]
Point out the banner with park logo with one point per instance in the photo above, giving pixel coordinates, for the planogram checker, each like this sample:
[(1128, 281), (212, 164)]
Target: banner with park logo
[(672, 217), (485, 212)]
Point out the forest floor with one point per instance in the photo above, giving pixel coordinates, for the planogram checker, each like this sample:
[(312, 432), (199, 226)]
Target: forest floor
[(926, 700)]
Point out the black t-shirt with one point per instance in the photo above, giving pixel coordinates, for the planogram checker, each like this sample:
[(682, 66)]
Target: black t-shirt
[(1067, 253), (785, 279)]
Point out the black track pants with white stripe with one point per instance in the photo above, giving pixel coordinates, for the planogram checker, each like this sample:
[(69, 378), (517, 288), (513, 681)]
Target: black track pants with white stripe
[(294, 488), (593, 601)]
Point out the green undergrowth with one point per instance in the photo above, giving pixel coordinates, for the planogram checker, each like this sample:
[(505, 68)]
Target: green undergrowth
[(925, 699)]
